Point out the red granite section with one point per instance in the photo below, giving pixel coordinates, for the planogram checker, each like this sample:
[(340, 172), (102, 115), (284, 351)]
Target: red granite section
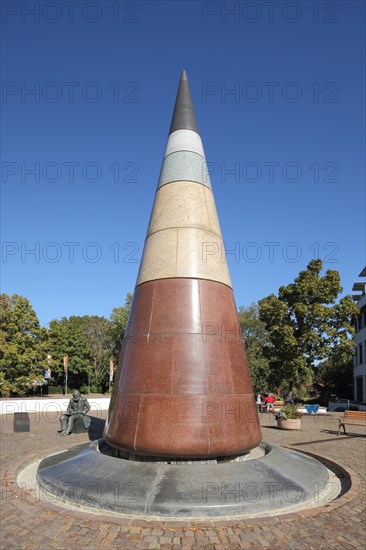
[(183, 387)]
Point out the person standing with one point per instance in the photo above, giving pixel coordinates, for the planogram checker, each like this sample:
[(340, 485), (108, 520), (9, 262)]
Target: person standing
[(289, 398), (259, 403)]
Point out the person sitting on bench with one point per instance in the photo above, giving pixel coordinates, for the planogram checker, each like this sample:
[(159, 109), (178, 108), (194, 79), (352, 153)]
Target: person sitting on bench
[(268, 402)]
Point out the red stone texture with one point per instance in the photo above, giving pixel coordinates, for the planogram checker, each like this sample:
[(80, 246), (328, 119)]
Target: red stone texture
[(183, 387)]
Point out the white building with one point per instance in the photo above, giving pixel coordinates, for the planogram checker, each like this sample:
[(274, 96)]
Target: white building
[(359, 359)]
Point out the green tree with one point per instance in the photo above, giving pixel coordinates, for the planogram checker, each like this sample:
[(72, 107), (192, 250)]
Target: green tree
[(88, 343), (97, 332), (23, 345), (336, 377), (66, 337), (119, 320), (307, 325), (257, 344)]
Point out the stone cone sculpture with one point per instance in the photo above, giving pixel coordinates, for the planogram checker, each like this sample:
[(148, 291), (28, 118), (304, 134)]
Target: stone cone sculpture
[(182, 388)]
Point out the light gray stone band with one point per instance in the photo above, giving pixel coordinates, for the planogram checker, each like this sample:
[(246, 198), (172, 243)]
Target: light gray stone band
[(184, 166)]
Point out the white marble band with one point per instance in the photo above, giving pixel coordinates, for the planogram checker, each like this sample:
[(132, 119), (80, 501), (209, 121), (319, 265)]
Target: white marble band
[(184, 252)]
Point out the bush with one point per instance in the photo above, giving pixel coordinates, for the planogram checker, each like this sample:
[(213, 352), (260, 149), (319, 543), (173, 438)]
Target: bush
[(56, 389), (25, 385), (299, 394), (6, 388), (93, 389), (288, 412)]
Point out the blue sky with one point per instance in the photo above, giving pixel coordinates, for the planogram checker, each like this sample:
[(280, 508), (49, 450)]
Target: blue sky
[(286, 147)]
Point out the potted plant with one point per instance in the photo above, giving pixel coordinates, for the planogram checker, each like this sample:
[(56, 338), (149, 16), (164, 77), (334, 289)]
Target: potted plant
[(289, 418)]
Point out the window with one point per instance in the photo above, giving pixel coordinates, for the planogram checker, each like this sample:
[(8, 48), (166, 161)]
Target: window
[(360, 359), (359, 388)]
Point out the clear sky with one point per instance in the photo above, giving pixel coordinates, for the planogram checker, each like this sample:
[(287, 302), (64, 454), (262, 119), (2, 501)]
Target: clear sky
[(279, 93)]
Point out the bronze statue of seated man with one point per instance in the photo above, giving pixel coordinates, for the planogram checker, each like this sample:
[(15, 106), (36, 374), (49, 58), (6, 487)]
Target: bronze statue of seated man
[(78, 408)]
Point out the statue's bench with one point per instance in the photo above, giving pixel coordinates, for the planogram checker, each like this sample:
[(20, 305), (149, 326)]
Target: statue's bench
[(78, 427)]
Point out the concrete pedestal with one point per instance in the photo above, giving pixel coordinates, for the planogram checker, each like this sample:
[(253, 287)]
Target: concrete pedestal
[(89, 475), (78, 427)]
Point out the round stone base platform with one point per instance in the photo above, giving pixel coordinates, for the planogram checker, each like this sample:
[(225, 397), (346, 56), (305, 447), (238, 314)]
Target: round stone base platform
[(274, 481)]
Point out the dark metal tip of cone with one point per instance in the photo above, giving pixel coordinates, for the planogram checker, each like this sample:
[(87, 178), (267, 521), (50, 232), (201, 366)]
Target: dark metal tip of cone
[(183, 116)]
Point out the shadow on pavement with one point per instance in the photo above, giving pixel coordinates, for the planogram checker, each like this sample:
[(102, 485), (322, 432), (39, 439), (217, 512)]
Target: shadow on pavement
[(96, 428), (338, 438), (270, 427)]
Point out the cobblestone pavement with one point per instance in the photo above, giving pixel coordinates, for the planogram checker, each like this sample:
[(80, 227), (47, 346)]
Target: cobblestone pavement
[(27, 523)]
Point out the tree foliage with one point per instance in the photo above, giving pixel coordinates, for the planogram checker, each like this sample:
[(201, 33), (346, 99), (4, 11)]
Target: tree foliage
[(97, 332), (257, 341), (119, 320), (22, 345), (306, 325), (336, 377), (66, 337), (90, 342), (87, 341)]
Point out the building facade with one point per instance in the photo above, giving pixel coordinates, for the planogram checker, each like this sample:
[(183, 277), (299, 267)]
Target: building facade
[(359, 359)]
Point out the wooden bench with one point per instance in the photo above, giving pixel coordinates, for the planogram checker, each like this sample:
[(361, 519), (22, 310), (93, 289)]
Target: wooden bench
[(354, 418), (278, 404), (275, 406)]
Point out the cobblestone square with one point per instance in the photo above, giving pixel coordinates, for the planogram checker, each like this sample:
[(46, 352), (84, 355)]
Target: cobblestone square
[(30, 524)]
